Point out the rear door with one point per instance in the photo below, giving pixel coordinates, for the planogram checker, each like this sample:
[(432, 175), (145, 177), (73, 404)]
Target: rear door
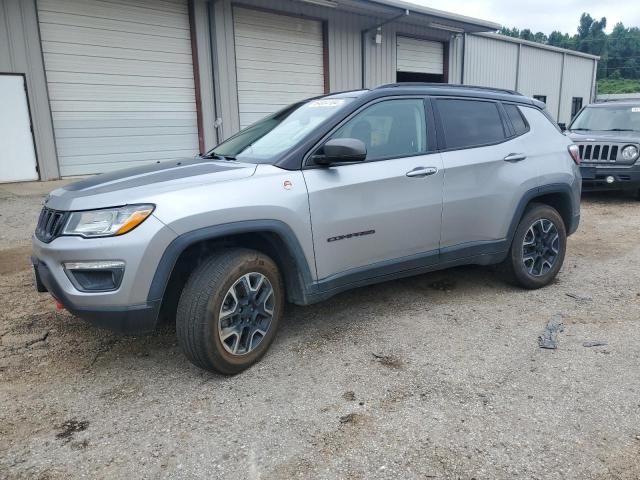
[(381, 215), (487, 172)]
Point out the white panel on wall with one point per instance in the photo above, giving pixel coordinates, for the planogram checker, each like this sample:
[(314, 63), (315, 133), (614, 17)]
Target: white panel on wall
[(279, 61), (420, 56), (120, 80)]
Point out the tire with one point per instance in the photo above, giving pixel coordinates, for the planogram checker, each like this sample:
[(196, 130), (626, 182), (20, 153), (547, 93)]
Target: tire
[(545, 256), (208, 311)]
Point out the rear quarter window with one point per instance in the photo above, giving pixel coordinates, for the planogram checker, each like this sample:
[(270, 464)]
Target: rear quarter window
[(517, 120), (468, 123)]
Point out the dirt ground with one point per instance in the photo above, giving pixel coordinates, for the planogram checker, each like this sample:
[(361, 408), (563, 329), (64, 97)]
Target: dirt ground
[(438, 376)]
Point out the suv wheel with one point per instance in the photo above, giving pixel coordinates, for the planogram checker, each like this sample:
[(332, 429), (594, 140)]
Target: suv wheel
[(538, 247), (229, 310)]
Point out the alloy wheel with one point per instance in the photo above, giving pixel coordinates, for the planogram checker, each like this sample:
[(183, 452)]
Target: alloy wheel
[(246, 313), (540, 247)]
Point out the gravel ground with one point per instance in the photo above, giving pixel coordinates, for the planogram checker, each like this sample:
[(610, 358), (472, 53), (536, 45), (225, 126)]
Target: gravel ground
[(438, 376)]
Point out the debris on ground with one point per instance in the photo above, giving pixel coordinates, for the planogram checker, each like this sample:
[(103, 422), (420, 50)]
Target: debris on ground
[(594, 343), (350, 418), (390, 361), (351, 396), (580, 297), (69, 427), (549, 338)]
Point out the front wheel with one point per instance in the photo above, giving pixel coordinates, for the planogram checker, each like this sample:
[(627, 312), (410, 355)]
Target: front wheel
[(229, 310), (538, 247)]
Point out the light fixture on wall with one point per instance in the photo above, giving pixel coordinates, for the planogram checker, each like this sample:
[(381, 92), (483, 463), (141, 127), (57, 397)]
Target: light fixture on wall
[(322, 3), (447, 28), (379, 36)]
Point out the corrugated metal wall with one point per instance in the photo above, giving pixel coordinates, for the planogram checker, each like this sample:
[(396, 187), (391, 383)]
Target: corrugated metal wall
[(20, 53), (540, 74), (490, 63), (344, 45), (576, 82), (531, 70)]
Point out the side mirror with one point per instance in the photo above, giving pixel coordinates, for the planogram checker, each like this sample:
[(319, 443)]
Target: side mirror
[(563, 127), (342, 150)]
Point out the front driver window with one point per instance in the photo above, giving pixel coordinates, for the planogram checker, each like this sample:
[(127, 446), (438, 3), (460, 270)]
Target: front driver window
[(389, 129)]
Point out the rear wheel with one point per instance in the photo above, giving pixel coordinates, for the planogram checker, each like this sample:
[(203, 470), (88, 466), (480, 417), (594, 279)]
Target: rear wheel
[(538, 247), (229, 310)]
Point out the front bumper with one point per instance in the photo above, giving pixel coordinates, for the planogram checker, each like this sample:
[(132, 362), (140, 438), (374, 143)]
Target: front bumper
[(127, 309), (624, 178), (133, 319)]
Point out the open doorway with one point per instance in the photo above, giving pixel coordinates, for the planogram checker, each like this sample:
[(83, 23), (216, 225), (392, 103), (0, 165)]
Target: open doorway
[(419, 77)]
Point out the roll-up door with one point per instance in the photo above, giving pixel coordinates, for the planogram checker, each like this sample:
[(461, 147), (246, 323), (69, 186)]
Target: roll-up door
[(120, 80), (420, 56), (279, 61)]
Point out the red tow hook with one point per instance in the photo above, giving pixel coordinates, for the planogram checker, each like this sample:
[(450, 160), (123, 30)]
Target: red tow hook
[(59, 305)]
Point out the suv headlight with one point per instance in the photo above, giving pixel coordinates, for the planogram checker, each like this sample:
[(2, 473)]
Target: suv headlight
[(107, 222), (630, 152)]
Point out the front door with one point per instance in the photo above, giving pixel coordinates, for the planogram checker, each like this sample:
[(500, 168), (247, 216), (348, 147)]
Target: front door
[(18, 158), (384, 214)]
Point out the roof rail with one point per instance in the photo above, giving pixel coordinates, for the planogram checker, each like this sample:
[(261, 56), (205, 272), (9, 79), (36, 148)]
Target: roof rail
[(448, 85)]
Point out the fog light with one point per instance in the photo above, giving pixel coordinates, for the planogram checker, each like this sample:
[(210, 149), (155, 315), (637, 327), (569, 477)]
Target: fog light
[(610, 179), (99, 276)]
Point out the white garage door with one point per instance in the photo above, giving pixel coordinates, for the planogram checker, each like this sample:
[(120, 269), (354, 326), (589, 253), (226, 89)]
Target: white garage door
[(279, 61), (420, 56), (120, 80)]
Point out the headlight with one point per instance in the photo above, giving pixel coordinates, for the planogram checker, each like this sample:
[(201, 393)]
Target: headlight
[(108, 222), (630, 152)]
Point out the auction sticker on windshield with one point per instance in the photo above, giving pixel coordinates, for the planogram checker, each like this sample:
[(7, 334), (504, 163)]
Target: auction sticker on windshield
[(327, 102)]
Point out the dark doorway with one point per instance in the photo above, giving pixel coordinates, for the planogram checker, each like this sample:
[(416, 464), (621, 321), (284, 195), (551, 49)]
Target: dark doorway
[(419, 77)]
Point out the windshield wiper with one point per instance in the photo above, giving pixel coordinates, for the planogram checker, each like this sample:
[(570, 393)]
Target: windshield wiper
[(619, 130), (217, 156), (577, 129)]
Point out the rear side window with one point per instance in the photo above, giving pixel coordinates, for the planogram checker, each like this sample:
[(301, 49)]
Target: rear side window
[(517, 120), (469, 123)]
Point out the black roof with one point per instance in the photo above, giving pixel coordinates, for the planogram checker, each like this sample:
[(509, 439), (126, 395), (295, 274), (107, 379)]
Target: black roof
[(447, 89)]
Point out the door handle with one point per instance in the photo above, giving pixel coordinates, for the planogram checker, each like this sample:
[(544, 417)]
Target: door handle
[(515, 157), (422, 172)]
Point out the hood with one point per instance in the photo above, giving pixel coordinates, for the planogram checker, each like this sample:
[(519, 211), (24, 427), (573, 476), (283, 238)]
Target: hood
[(604, 136), (135, 184)]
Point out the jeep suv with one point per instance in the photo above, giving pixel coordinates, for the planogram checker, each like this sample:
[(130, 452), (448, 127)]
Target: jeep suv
[(608, 136), (328, 194)]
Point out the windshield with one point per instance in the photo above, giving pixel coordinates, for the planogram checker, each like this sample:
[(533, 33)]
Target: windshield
[(266, 139), (619, 118)]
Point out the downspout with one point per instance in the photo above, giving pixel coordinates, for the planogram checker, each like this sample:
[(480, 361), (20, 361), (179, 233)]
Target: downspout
[(363, 41), (464, 57)]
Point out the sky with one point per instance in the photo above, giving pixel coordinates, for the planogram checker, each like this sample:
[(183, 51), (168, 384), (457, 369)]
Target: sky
[(542, 15)]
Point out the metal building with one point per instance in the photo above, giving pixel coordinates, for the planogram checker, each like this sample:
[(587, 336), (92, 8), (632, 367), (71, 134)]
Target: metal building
[(88, 86)]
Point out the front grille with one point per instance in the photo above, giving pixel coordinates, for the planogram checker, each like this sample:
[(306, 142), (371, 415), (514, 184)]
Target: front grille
[(50, 224), (598, 152)]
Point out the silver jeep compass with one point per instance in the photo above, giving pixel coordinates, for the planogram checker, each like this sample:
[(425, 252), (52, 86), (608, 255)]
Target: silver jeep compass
[(325, 195)]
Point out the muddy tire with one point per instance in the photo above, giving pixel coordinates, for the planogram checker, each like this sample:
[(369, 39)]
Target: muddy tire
[(537, 249), (229, 310)]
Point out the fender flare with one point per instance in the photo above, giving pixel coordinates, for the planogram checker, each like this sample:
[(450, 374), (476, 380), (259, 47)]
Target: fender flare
[(179, 244), (559, 188)]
